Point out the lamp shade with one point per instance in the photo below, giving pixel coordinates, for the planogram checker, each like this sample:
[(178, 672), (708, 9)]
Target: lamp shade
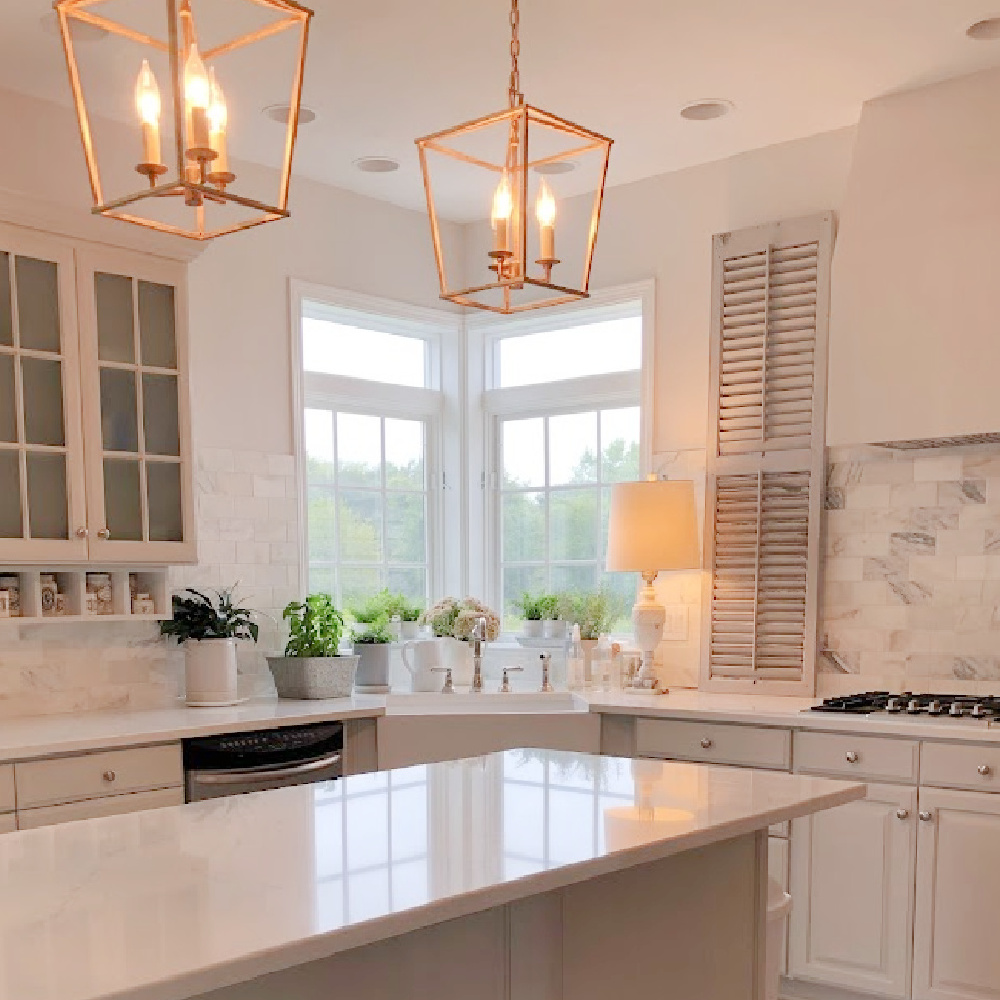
[(653, 526)]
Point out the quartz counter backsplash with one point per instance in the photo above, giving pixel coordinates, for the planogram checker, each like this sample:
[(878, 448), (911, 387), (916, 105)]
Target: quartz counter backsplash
[(911, 576)]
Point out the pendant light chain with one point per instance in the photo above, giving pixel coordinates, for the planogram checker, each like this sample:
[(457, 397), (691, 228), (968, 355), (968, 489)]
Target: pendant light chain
[(514, 92)]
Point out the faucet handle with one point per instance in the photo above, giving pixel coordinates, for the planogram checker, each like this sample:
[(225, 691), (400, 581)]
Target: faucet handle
[(449, 687), (505, 683), (479, 629), (546, 659)]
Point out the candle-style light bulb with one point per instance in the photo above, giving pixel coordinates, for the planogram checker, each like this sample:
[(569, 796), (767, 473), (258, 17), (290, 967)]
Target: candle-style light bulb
[(218, 119), (545, 213), (197, 97), (147, 104), (503, 207)]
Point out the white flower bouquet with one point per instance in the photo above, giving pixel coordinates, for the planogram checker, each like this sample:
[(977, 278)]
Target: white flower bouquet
[(456, 619)]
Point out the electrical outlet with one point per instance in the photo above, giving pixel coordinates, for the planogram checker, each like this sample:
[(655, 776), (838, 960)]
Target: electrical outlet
[(676, 627)]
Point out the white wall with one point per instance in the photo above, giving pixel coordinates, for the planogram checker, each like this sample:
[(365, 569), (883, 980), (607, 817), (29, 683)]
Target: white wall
[(914, 349)]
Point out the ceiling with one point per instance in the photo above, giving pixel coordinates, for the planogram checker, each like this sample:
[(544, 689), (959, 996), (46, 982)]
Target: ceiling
[(381, 72)]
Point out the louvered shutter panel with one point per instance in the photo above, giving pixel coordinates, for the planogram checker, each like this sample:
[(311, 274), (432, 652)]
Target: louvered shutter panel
[(770, 310)]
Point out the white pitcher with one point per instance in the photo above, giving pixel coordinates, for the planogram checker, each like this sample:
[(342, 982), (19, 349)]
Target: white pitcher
[(420, 656)]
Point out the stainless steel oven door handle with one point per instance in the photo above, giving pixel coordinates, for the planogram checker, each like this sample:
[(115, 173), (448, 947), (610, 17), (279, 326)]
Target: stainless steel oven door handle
[(239, 776)]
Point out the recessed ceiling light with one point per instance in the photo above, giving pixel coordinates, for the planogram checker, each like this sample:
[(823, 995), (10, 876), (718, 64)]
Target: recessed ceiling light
[(376, 164), (987, 30), (706, 110), (81, 31), (279, 113), (555, 167)]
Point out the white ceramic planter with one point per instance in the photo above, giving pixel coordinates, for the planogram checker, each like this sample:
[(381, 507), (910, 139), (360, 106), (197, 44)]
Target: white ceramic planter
[(311, 677), (554, 629), (532, 629), (409, 630), (210, 677), (372, 676)]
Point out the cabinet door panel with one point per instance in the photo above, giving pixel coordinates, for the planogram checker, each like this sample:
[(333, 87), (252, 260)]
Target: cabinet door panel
[(958, 897), (41, 444), (852, 893)]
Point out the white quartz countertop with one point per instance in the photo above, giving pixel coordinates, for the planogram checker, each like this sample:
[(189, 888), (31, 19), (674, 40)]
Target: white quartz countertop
[(171, 903)]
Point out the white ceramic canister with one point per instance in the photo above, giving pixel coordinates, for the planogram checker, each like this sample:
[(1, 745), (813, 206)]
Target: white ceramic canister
[(210, 675)]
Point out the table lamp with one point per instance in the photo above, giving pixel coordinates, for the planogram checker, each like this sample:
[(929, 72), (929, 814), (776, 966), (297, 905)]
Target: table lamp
[(653, 526)]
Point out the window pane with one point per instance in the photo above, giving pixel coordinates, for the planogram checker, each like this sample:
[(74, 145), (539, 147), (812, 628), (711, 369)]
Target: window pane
[(319, 446), (6, 316), (160, 417), (156, 325), (359, 582), (360, 526), (592, 349), (163, 487), (115, 327), (523, 527), (322, 581), (43, 410), (625, 585), (620, 445), (119, 422), (359, 450), (404, 454), (8, 406), (517, 580), (10, 495), (574, 578), (411, 583), (122, 500), (338, 349), (48, 516), (322, 524), (573, 524), (405, 527), (524, 452), (573, 448), (37, 303)]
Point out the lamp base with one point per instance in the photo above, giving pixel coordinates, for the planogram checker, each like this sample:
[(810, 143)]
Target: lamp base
[(648, 618)]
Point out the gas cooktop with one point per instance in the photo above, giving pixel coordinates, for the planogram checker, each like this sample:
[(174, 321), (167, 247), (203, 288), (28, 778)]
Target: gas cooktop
[(933, 706)]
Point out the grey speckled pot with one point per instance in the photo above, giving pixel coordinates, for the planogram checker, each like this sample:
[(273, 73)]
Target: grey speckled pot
[(313, 677)]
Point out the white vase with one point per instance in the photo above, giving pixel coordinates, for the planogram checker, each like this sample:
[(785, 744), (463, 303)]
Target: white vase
[(532, 629), (210, 676), (372, 676), (554, 628), (458, 655)]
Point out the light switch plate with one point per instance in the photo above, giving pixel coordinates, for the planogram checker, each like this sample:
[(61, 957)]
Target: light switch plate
[(676, 627)]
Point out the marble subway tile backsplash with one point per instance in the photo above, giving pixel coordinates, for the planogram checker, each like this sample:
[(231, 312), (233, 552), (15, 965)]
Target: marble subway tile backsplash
[(247, 509), (910, 591)]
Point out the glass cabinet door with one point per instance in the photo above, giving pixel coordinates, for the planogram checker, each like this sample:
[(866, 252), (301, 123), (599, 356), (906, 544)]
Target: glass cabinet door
[(138, 453), (42, 508)]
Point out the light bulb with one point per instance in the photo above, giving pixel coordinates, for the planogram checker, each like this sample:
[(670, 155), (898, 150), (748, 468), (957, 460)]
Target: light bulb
[(545, 206), (503, 202), (218, 114), (147, 96), (197, 90)]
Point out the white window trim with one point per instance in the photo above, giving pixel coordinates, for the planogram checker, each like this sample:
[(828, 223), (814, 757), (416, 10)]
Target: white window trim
[(441, 330), (487, 405)]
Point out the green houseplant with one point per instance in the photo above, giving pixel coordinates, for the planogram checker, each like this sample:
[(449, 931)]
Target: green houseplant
[(312, 667), (371, 644), (535, 608), (208, 628)]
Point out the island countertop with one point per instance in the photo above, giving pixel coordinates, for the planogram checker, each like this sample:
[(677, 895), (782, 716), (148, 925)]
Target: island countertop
[(171, 903)]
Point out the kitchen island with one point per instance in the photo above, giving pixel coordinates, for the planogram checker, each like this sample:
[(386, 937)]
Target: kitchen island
[(527, 874)]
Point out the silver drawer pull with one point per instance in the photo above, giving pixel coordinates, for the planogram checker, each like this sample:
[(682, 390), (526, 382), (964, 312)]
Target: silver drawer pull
[(109, 776), (706, 743), (852, 756), (925, 815), (902, 814), (985, 770)]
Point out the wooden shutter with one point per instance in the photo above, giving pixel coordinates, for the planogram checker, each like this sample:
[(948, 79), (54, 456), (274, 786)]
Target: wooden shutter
[(765, 463)]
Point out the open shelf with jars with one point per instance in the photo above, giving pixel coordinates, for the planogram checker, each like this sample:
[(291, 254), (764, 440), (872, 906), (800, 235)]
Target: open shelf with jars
[(30, 595)]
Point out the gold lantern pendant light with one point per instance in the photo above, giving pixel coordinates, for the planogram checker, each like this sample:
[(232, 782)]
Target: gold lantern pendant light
[(189, 182), (485, 163)]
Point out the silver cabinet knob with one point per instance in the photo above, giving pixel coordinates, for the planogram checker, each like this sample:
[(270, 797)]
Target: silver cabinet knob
[(985, 770), (852, 756), (902, 813), (706, 743), (925, 815), (82, 532), (109, 776), (104, 533)]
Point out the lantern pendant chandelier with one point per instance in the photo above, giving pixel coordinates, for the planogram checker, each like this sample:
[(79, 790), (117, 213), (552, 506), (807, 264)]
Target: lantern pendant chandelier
[(484, 166), (178, 143)]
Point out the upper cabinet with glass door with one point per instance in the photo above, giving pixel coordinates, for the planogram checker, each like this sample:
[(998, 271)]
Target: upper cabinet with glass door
[(135, 408), (43, 512)]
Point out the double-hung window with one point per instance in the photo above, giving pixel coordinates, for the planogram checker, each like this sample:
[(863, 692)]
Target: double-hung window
[(370, 405), (567, 412)]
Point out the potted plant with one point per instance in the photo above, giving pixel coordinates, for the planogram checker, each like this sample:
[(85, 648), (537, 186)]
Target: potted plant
[(596, 613), (311, 667), (553, 621), (397, 606), (453, 621), (208, 628), (533, 607), (371, 643)]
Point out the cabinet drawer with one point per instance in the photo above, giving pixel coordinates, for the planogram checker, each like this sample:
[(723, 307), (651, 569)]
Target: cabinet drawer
[(6, 788), (960, 765), (872, 757), (8, 824), (714, 742), (92, 775), (110, 805)]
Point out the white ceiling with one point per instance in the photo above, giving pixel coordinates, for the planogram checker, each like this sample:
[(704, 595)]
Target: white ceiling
[(381, 72)]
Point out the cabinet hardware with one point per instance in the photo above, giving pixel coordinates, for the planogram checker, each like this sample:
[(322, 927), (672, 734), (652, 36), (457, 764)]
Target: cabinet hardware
[(109, 776), (985, 770), (902, 814), (925, 815), (104, 533), (706, 743), (852, 756), (82, 532)]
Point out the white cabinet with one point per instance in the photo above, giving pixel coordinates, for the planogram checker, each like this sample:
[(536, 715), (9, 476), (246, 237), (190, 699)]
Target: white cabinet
[(95, 454), (852, 871), (956, 955)]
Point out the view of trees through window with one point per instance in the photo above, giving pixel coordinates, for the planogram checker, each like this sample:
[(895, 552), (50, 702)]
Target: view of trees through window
[(556, 476)]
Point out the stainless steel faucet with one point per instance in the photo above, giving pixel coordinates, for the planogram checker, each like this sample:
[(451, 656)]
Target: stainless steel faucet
[(478, 641)]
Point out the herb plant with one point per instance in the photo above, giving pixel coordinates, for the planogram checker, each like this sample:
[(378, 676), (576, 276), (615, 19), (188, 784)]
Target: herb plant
[(315, 627), (385, 603), (198, 616), (376, 632), (595, 611)]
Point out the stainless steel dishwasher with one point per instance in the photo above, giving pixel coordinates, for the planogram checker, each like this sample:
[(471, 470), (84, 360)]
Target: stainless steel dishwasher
[(234, 763)]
